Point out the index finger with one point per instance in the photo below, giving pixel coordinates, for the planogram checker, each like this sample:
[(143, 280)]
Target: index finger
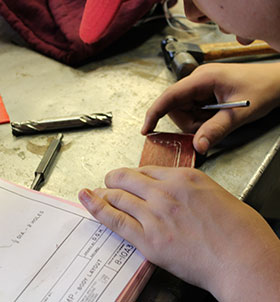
[(116, 220), (183, 94), (130, 180), (167, 102)]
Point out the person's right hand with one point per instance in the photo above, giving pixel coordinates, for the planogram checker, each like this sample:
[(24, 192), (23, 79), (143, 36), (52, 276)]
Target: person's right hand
[(217, 82)]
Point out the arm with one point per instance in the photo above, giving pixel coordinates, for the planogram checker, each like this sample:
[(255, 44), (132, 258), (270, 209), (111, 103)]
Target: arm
[(210, 83), (186, 223)]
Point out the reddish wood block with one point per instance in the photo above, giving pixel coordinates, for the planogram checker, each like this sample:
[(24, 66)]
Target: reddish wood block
[(168, 150)]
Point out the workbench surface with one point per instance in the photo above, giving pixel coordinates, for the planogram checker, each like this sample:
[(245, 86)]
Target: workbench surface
[(35, 87)]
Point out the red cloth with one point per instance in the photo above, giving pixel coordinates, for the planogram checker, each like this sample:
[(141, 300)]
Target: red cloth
[(53, 27)]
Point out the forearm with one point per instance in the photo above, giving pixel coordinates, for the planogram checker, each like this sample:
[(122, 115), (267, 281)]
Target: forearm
[(252, 280)]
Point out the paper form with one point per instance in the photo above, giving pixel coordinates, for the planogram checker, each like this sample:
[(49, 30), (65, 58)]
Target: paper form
[(51, 250)]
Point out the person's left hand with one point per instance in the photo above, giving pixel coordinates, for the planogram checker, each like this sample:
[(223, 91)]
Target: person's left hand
[(183, 221)]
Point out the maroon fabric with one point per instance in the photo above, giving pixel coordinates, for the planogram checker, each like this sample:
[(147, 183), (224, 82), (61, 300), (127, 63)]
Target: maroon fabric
[(39, 24), (52, 28)]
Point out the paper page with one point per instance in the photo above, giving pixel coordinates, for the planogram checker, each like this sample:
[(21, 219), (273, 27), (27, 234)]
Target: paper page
[(51, 250)]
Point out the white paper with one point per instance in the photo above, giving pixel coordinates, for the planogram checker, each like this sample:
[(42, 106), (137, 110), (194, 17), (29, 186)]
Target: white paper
[(52, 250)]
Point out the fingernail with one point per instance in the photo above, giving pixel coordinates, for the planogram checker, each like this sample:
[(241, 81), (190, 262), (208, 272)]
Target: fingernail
[(203, 144), (85, 196), (143, 130)]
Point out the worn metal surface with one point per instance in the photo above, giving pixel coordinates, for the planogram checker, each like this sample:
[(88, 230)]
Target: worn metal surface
[(35, 87)]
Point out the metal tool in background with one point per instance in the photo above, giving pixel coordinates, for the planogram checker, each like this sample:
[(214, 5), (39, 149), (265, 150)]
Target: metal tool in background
[(182, 57), (62, 123), (46, 162)]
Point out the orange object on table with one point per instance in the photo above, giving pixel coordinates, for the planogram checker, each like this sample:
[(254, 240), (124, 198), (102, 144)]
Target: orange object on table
[(4, 117)]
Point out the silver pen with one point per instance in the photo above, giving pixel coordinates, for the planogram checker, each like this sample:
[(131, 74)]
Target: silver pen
[(239, 104), (46, 162)]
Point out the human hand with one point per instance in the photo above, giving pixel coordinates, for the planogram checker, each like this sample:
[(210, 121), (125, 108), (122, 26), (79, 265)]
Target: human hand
[(183, 221), (211, 83)]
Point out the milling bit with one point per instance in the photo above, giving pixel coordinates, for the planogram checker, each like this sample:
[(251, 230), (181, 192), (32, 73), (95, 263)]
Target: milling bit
[(62, 123)]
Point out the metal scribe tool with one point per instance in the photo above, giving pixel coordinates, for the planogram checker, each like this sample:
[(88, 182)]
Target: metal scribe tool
[(240, 104), (45, 164), (61, 123)]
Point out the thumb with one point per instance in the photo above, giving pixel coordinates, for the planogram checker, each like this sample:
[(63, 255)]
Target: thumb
[(214, 130)]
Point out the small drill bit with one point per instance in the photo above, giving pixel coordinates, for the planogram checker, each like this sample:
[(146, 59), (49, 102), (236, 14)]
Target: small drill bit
[(45, 164), (61, 123)]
